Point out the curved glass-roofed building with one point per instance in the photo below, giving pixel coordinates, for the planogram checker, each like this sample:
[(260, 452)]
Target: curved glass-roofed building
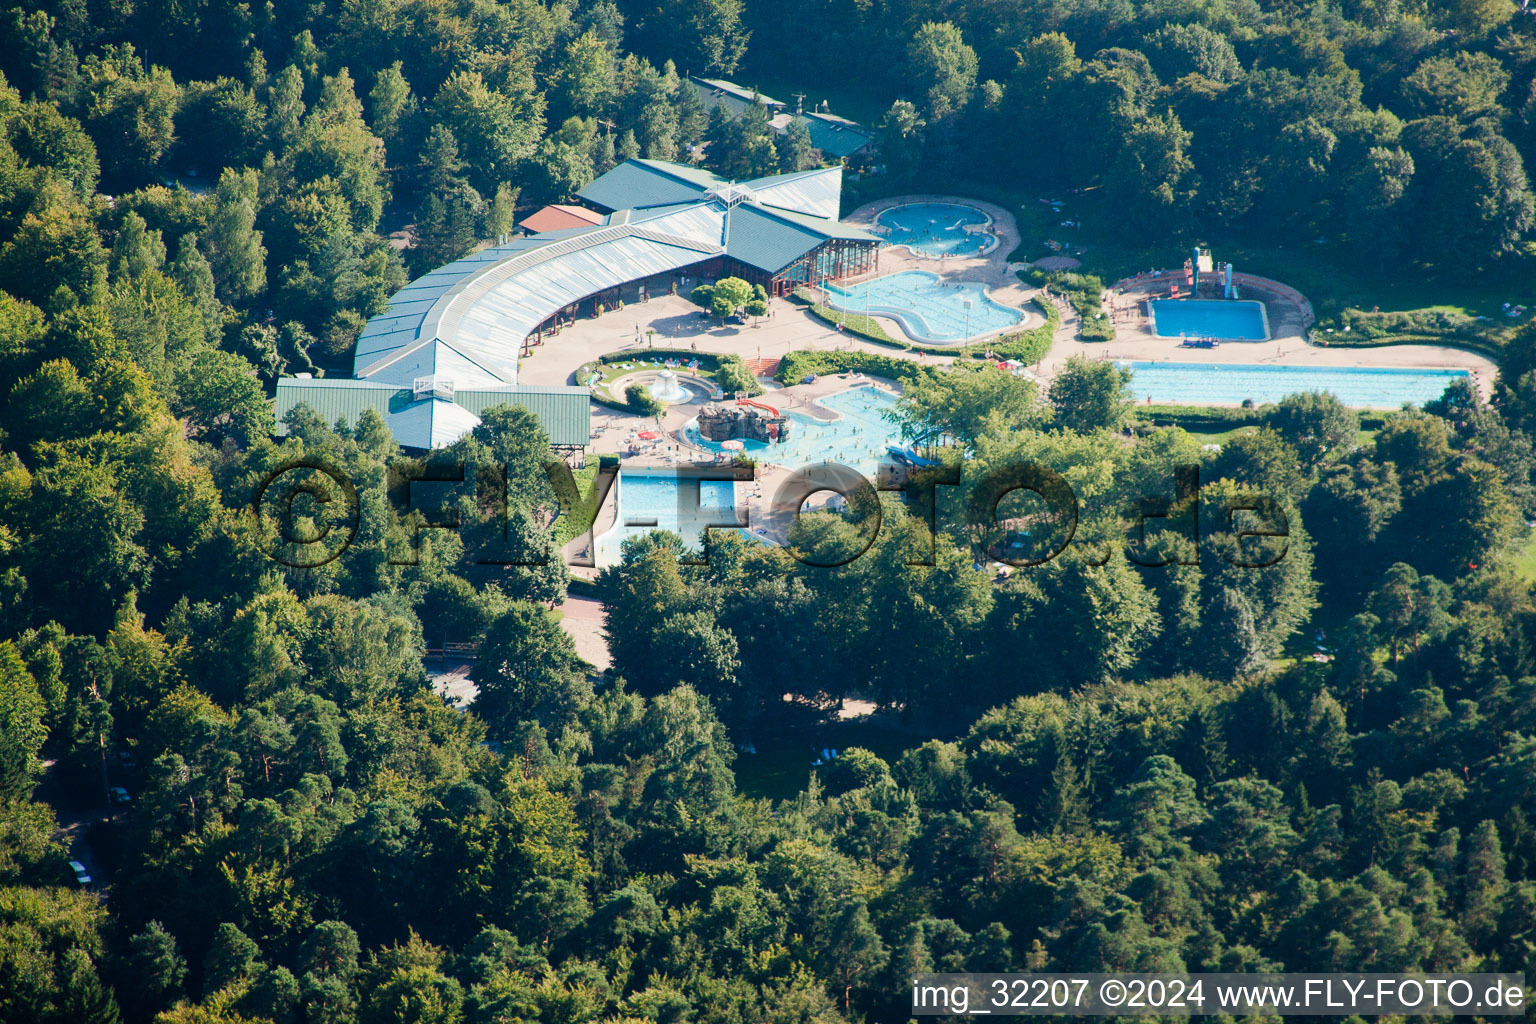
[(449, 343)]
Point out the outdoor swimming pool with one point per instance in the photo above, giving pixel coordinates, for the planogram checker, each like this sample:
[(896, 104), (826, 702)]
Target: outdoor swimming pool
[(858, 439), (928, 309), (658, 500), (1238, 320), (1204, 383), (937, 229)]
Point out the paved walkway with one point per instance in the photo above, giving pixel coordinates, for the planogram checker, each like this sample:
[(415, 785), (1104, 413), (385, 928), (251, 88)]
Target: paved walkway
[(583, 622), (677, 324)]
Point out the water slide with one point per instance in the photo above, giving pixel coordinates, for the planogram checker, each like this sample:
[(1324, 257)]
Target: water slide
[(757, 405), (908, 454)]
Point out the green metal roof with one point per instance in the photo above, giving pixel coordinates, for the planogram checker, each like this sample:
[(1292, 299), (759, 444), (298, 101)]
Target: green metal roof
[(765, 242), (334, 398), (821, 225), (836, 136), (563, 412), (635, 184)]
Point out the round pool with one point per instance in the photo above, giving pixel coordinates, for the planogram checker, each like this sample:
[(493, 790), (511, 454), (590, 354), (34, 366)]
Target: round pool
[(937, 230)]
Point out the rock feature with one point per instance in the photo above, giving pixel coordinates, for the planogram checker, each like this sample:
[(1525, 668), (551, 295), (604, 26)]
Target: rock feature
[(741, 423)]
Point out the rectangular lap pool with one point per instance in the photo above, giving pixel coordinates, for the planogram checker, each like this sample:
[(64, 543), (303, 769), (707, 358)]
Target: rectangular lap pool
[(667, 501), (1228, 383), (1230, 319)]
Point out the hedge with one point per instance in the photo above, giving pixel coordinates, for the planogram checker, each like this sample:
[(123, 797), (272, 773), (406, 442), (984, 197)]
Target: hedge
[(796, 366), (1208, 418), (709, 362)]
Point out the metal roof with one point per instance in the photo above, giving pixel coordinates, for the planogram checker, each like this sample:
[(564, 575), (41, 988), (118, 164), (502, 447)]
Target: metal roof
[(463, 324), (714, 92), (635, 184), (836, 136), (817, 192), (480, 314), (759, 239), (563, 412)]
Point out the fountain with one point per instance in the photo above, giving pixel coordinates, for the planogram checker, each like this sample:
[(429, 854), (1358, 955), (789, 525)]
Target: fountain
[(665, 388)]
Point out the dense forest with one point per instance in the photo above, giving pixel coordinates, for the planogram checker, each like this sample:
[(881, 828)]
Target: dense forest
[(1121, 764), (1399, 131)]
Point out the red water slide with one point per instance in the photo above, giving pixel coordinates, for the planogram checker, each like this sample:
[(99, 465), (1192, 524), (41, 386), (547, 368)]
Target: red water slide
[(759, 405)]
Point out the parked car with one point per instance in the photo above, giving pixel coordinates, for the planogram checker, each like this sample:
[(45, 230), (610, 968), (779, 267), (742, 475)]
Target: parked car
[(737, 319), (120, 796), (82, 877)]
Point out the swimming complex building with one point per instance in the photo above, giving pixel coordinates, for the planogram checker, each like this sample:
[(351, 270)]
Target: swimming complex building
[(448, 345)]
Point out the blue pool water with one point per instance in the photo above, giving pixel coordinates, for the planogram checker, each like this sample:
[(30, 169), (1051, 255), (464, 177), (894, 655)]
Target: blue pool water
[(857, 439), (664, 501), (1204, 383), (927, 308), (937, 229), (1210, 318)]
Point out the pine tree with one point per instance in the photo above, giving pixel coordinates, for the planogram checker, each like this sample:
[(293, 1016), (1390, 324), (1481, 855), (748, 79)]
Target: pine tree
[(1061, 803), (84, 999), (629, 146), (796, 153), (1485, 886)]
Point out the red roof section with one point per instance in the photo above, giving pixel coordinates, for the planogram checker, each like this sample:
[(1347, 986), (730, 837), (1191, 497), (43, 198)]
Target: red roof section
[(558, 217)]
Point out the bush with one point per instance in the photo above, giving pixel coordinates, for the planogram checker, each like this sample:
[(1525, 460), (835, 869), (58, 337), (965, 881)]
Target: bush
[(733, 376), (707, 360), (640, 401), (1085, 294)]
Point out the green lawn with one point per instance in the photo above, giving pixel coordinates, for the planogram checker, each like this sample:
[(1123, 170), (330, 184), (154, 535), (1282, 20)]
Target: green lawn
[(1525, 562), (1215, 436)]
